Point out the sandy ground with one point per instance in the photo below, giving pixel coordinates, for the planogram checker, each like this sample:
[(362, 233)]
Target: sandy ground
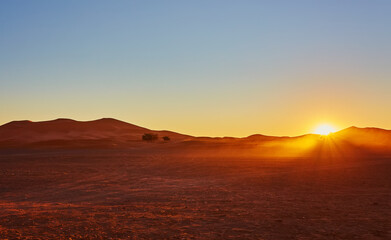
[(117, 194)]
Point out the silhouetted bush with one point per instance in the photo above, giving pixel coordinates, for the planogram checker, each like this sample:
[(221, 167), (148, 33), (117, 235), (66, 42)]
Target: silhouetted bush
[(166, 138), (150, 137)]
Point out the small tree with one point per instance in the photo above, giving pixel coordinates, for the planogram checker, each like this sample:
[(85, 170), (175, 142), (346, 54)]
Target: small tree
[(150, 137), (166, 138)]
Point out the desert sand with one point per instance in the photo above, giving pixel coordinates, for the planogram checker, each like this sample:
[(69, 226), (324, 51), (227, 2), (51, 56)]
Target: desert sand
[(260, 187)]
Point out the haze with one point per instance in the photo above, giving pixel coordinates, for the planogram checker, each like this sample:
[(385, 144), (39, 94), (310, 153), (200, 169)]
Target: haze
[(220, 68)]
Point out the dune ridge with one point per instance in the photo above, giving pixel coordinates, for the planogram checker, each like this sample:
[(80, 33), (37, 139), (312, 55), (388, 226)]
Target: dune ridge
[(113, 133)]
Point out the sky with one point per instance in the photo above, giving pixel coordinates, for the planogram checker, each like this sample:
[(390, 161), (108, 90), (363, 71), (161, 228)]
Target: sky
[(204, 68)]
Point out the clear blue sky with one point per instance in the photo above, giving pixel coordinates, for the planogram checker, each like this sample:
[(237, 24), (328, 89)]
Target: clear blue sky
[(198, 67)]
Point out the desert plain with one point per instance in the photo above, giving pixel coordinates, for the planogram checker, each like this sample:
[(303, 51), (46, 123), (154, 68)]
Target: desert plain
[(198, 188)]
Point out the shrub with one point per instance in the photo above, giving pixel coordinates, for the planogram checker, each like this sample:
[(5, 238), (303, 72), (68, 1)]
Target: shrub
[(166, 138), (150, 137)]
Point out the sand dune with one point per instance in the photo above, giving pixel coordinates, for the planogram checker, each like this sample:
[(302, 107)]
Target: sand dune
[(67, 132), (112, 133)]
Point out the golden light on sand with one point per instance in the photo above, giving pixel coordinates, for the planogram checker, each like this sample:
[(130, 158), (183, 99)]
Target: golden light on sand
[(324, 129)]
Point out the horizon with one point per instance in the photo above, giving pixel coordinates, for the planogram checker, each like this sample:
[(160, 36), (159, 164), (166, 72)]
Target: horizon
[(216, 68), (154, 129)]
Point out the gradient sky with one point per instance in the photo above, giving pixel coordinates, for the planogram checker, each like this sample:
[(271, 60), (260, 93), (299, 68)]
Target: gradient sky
[(216, 68)]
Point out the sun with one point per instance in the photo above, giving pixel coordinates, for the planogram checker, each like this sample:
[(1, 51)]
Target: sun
[(324, 129)]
